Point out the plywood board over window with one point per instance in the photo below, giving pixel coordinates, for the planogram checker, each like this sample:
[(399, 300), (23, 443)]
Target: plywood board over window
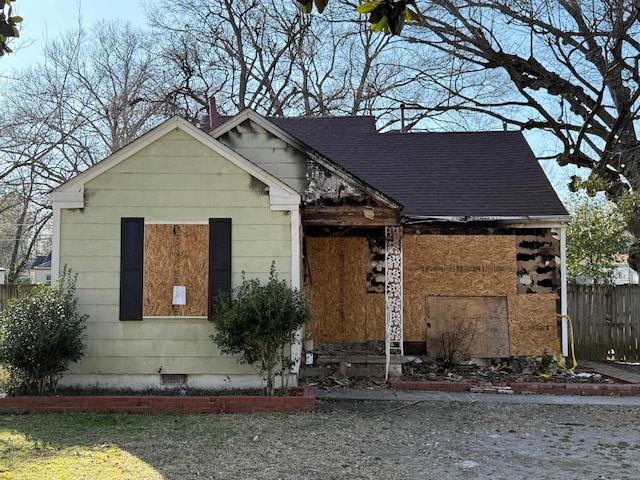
[(175, 255), (453, 266), (470, 326)]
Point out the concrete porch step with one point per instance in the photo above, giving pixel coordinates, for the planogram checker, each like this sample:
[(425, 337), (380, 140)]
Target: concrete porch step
[(362, 359), (356, 366)]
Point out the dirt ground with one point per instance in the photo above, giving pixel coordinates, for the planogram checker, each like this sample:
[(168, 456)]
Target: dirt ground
[(422, 368), (423, 440), (498, 373)]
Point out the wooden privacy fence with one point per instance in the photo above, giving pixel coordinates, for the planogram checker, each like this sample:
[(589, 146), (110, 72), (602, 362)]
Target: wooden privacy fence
[(605, 318), (11, 291)]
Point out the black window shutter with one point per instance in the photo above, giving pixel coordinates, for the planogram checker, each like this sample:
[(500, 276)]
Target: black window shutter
[(219, 259), (131, 268)]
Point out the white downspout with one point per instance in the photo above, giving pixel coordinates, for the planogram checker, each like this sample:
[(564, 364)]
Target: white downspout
[(55, 245), (563, 291), (296, 282)]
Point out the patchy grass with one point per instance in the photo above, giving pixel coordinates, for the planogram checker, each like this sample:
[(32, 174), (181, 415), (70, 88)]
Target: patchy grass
[(101, 446)]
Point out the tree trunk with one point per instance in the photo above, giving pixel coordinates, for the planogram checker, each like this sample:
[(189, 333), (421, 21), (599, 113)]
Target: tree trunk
[(634, 248)]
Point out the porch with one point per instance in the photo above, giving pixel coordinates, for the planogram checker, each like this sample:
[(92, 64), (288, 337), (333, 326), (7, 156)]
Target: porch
[(460, 295)]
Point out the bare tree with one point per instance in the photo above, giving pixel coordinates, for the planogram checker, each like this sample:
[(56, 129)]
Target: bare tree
[(267, 56), (24, 220), (571, 68), (25, 149), (567, 68), (95, 92), (109, 79)]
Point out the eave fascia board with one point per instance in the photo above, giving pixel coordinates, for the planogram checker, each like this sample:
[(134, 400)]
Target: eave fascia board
[(325, 162), (280, 199), (234, 121), (551, 221), (67, 199)]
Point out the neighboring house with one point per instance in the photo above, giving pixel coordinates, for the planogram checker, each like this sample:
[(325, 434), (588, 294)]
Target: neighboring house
[(2, 276), (399, 239), (623, 274), (40, 270)]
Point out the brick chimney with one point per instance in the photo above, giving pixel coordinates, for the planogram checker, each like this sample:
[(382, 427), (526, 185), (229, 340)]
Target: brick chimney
[(213, 113)]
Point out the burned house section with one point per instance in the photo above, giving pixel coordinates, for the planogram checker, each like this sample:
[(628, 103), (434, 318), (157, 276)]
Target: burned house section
[(376, 265), (466, 287), (537, 257), (464, 284), (334, 199), (326, 188), (344, 222)]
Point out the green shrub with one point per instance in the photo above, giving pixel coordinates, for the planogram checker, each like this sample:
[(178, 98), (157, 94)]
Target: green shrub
[(4, 379), (41, 333), (258, 322)]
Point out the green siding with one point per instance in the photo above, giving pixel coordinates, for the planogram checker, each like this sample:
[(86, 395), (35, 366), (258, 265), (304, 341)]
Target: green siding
[(160, 347), (270, 153), (176, 179), (149, 365), (152, 329), (235, 199)]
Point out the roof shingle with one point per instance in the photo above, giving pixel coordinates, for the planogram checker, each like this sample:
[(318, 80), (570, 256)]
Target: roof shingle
[(479, 174)]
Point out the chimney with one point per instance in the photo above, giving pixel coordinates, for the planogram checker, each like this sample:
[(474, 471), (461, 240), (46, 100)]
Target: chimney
[(213, 113)]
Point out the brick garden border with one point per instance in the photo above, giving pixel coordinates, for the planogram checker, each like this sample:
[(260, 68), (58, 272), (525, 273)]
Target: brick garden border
[(161, 404), (537, 388)]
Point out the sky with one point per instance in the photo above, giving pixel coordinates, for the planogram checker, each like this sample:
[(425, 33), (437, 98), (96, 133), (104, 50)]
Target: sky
[(47, 19)]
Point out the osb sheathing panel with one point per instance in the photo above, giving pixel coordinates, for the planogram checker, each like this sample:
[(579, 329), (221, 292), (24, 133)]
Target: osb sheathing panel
[(336, 286), (475, 326), (463, 265), (175, 255), (376, 317), (533, 324), (414, 323), (344, 312)]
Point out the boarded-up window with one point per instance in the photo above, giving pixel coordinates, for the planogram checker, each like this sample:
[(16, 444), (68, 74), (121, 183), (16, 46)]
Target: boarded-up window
[(175, 255), (157, 258), (470, 326)]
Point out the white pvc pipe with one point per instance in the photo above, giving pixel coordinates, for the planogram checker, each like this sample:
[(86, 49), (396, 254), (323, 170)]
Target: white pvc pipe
[(563, 291)]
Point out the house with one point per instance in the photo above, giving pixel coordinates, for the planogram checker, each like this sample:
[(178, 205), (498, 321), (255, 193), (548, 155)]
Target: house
[(622, 273), (400, 239), (40, 270), (2, 270)]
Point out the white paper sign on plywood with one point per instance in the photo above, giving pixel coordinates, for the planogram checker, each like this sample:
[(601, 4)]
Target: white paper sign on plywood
[(179, 295)]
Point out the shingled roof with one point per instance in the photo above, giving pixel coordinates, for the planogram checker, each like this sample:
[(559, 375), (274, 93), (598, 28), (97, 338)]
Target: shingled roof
[(448, 174)]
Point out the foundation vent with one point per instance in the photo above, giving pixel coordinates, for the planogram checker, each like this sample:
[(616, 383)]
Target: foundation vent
[(173, 378)]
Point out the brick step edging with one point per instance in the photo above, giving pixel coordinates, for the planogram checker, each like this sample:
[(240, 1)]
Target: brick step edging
[(628, 389), (161, 404)]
